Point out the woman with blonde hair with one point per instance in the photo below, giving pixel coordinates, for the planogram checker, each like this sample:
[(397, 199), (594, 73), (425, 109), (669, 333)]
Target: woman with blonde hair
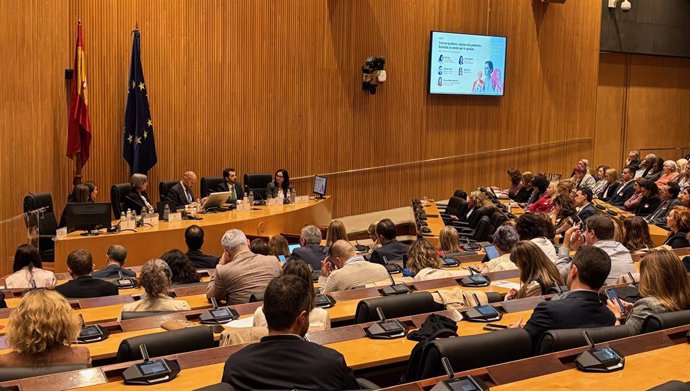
[(156, 280), (336, 231), (449, 239), (537, 272), (278, 245), (664, 287), (612, 186), (41, 331), (424, 263)]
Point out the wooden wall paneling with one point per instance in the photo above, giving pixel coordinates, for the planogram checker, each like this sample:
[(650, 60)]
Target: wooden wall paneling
[(611, 107)]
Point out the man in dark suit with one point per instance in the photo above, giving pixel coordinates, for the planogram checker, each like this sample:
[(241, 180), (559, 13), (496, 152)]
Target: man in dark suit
[(194, 237), (626, 190), (283, 360), (117, 255), (231, 184), (669, 195), (82, 285), (583, 200), (311, 250), (390, 247), (181, 193), (580, 306)]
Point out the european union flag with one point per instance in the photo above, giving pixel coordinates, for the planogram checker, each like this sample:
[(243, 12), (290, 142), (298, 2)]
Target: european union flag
[(138, 146)]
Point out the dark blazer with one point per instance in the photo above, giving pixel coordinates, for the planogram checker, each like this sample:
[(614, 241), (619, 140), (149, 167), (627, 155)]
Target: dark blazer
[(648, 205), (177, 195), (588, 211), (610, 191), (112, 271), (522, 195), (574, 310), (224, 187), (392, 250), (624, 192), (86, 286), (134, 202), (653, 176), (312, 254), (287, 362), (658, 217), (201, 260), (677, 240), (272, 190)]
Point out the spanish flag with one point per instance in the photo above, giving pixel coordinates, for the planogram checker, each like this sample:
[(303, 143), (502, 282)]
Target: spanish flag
[(79, 128)]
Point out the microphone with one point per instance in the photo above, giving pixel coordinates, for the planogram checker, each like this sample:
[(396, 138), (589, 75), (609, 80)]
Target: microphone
[(138, 202)]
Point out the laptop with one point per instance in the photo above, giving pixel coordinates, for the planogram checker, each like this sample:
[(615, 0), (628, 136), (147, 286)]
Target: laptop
[(216, 200)]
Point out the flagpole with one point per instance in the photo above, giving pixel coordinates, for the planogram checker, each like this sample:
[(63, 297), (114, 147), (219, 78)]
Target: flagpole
[(78, 164)]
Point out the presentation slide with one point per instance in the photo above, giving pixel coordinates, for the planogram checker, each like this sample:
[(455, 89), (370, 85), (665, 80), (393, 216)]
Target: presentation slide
[(463, 64)]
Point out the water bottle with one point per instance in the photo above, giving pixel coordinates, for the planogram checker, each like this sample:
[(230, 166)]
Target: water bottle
[(293, 196), (129, 214), (251, 198), (123, 218), (166, 212), (281, 196)]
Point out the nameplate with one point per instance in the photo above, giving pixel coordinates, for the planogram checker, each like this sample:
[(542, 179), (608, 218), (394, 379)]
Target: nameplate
[(243, 206), (173, 217), (60, 233), (274, 201), (152, 220), (301, 199), (129, 224)]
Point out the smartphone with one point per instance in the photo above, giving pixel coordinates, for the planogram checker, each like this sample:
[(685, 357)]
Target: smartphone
[(614, 297), (282, 259)]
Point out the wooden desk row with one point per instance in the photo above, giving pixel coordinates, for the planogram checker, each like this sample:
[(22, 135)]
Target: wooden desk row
[(658, 234)]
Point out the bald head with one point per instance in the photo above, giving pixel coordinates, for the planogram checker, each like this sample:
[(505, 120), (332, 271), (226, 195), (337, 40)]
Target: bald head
[(189, 179), (341, 251)]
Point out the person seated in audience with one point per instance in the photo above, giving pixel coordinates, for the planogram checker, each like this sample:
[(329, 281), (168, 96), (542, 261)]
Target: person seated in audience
[(663, 286), (669, 173), (505, 238), (117, 255), (564, 187), (284, 359), (390, 247), (449, 239), (319, 319), (311, 251), (538, 229), (475, 201), (28, 272), (181, 267), (625, 190), (424, 263), (564, 214), (645, 165), (583, 180), (650, 199), (240, 273), (259, 246), (371, 231), (583, 200), (634, 201), (669, 197), (278, 245), (82, 285), (194, 237), (612, 184), (231, 184), (537, 273), (543, 203), (684, 197), (138, 199), (600, 175), (637, 237), (599, 232), (344, 269), (679, 222), (41, 331), (80, 194), (580, 307), (156, 280), (656, 171), (684, 177), (281, 180), (518, 191), (633, 159), (527, 177), (336, 231), (182, 193)]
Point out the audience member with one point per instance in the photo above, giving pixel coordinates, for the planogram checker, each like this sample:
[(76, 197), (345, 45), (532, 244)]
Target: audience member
[(281, 359), (583, 200), (231, 184), (684, 177), (181, 268), (40, 332), (344, 269), (544, 192), (669, 197), (625, 190), (679, 223), (637, 237), (28, 272), (449, 239), (259, 246), (650, 199), (681, 165), (600, 175), (319, 319), (537, 272), (669, 173), (564, 214), (518, 191), (155, 279), (241, 273), (278, 246), (656, 171), (634, 201), (684, 197), (580, 306), (390, 247), (611, 187), (583, 179), (371, 231), (633, 159), (336, 231), (281, 180), (536, 227), (194, 237), (311, 251), (504, 239), (663, 286), (599, 233), (182, 193), (138, 198), (82, 285), (527, 177), (475, 202), (424, 263), (117, 255)]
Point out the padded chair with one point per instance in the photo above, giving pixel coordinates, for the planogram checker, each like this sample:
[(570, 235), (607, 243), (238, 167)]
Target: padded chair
[(456, 207), (396, 306), (475, 351), (257, 183), (118, 193), (209, 184), (673, 385), (166, 343), (47, 223), (497, 219), (126, 315), (666, 320), (164, 187), (557, 340), (481, 233), (12, 373)]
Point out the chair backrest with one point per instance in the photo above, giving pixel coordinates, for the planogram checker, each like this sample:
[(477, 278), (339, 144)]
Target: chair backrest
[(208, 184), (118, 192), (12, 373), (257, 183), (164, 187), (396, 306), (460, 193), (475, 351), (483, 230), (47, 223), (497, 220), (557, 340), (126, 315), (165, 343), (666, 320), (672, 385), (455, 206)]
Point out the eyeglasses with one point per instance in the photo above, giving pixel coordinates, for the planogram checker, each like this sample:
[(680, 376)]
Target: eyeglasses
[(279, 176)]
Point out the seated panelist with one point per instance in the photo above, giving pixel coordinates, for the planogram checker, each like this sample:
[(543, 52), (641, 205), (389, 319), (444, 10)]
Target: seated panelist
[(182, 192), (231, 184), (281, 180), (138, 199)]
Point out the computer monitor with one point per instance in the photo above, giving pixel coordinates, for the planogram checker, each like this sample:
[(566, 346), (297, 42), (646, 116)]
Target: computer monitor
[(320, 186), (88, 216)]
